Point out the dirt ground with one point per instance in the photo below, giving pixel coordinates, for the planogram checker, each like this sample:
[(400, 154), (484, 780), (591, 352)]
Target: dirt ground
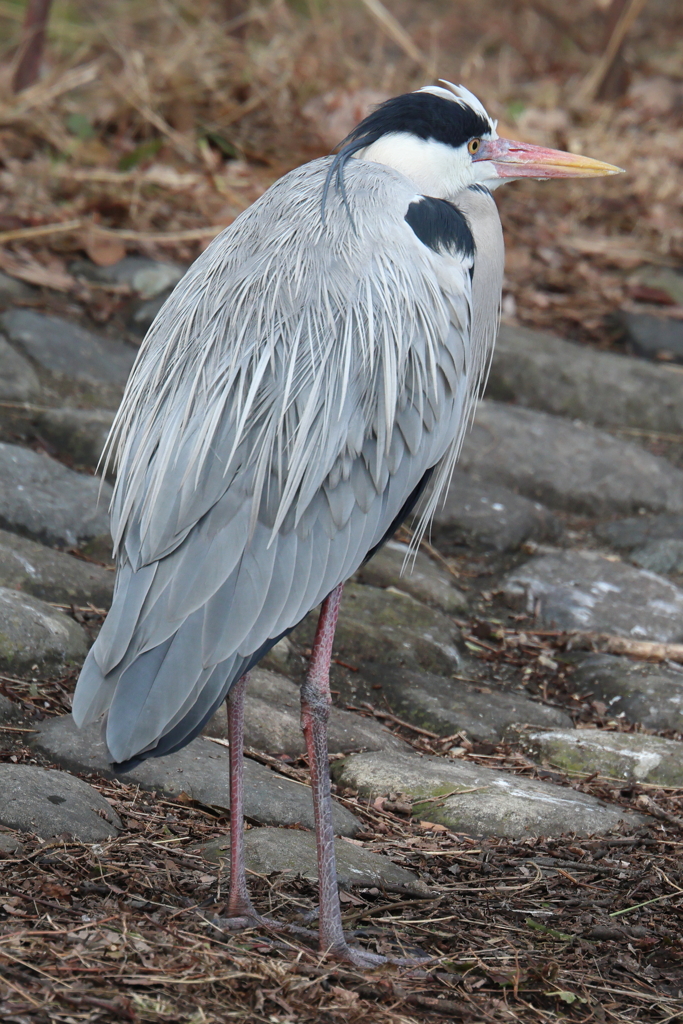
[(155, 124)]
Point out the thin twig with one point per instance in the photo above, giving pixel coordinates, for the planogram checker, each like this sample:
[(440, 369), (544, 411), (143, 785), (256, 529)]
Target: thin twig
[(42, 231), (395, 30), (588, 89)]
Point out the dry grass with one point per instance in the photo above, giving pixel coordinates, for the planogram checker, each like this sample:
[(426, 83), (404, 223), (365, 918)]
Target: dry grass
[(155, 120)]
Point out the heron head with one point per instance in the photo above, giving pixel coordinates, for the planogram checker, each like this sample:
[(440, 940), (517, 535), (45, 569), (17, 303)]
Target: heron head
[(443, 139)]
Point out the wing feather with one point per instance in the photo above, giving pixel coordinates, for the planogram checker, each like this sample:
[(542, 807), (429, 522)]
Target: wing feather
[(279, 417)]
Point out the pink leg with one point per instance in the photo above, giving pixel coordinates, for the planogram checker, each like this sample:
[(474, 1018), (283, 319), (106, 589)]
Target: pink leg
[(241, 911), (239, 904), (315, 711)]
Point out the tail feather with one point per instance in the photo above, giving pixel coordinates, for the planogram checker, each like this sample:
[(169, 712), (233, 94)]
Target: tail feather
[(93, 693)]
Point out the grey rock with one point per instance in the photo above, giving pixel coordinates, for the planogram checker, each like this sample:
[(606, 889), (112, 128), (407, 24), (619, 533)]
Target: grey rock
[(143, 313), (625, 534), (665, 556), (283, 659), (78, 433), (48, 803), (480, 801), (485, 515), (541, 371), (447, 706), (11, 289), (147, 278), (423, 578), (31, 632), (619, 755), (655, 337), (52, 575), (389, 626), (566, 465), (582, 590), (272, 721), (10, 713), (18, 379), (200, 770), (293, 852), (65, 349), (42, 499), (651, 694), (10, 845)]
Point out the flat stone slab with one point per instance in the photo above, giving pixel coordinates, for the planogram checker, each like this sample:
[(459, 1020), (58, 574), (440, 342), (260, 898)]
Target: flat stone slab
[(65, 349), (447, 706), (478, 801), (42, 499), (641, 691), (567, 465), (48, 803), (661, 556), (78, 433), (33, 633), (293, 852), (582, 590), (422, 578), (18, 380), (540, 371), (636, 531), (200, 770), (632, 756), (483, 514), (272, 721), (389, 626), (52, 575)]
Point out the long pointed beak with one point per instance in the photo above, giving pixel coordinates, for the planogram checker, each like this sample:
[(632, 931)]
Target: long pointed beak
[(522, 160)]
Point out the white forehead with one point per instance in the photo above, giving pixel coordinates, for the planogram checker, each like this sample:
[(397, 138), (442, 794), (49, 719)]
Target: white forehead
[(459, 94)]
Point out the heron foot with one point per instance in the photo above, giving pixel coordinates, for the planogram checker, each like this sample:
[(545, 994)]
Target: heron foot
[(344, 953), (366, 960), (252, 919)]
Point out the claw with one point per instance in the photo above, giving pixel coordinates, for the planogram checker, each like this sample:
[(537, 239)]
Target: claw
[(252, 919)]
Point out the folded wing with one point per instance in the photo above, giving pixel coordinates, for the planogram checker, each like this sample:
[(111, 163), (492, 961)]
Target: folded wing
[(290, 400)]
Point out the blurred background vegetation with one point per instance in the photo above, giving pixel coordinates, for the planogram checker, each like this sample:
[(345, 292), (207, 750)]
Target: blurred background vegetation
[(152, 123)]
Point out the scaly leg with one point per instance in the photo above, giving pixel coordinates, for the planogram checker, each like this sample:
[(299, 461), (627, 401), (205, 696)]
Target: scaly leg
[(315, 711), (241, 911), (239, 903)]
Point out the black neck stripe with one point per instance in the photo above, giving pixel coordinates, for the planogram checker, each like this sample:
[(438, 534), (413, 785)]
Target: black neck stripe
[(441, 226)]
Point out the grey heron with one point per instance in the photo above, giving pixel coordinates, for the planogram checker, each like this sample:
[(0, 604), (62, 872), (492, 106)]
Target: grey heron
[(316, 367)]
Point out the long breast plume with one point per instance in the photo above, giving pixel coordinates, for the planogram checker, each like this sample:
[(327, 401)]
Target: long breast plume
[(286, 329)]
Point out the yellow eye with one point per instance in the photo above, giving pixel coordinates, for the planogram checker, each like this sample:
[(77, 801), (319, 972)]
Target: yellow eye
[(473, 146)]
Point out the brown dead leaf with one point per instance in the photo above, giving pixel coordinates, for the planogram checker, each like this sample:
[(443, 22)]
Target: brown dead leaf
[(104, 250), (30, 270)]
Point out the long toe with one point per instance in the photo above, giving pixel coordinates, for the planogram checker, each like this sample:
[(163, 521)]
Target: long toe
[(366, 960), (242, 922)]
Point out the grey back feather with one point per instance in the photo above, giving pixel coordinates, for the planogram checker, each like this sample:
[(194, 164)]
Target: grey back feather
[(287, 400)]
